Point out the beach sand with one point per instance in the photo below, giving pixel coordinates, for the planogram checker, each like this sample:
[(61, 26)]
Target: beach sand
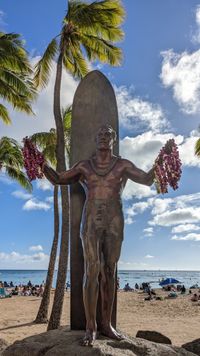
[(179, 319)]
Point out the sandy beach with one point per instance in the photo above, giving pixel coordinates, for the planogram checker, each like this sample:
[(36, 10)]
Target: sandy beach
[(179, 318)]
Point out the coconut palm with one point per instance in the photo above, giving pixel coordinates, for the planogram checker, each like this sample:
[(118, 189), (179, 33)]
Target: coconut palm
[(197, 148), (46, 141), (88, 33), (12, 163), (16, 87)]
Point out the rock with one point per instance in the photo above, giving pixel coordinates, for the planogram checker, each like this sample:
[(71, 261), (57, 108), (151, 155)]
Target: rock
[(193, 346), (153, 336), (63, 342), (3, 345)]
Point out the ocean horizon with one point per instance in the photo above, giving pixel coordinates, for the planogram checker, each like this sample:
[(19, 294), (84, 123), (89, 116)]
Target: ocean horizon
[(36, 276)]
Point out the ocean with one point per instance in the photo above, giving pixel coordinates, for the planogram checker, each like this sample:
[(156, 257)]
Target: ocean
[(188, 278)]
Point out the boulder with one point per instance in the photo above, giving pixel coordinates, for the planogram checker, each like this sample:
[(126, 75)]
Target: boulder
[(3, 345), (153, 336), (193, 346), (63, 342)]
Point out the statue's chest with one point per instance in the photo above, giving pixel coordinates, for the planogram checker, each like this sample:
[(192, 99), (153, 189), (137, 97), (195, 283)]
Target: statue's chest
[(110, 179)]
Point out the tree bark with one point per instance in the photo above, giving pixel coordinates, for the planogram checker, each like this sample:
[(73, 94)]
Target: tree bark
[(56, 313), (42, 315), (55, 317)]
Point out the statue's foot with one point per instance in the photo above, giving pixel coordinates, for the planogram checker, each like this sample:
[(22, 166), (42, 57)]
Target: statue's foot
[(110, 332), (89, 338)]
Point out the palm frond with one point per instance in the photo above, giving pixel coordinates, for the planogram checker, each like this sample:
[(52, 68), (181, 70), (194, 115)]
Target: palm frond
[(11, 159), (19, 176), (12, 51), (10, 153), (67, 117), (4, 115), (43, 139), (98, 13), (49, 153), (17, 83), (197, 148), (46, 141), (74, 61), (43, 67), (99, 49), (17, 100)]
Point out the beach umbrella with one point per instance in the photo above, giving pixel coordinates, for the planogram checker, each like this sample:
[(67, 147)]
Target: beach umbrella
[(168, 281)]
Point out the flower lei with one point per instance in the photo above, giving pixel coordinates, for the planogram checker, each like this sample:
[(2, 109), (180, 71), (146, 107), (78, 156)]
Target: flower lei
[(33, 160), (167, 167)]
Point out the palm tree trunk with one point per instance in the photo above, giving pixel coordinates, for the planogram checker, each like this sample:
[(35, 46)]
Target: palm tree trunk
[(60, 144), (56, 313), (42, 315), (55, 317)]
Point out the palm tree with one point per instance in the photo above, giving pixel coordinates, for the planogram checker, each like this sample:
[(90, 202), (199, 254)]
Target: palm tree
[(197, 148), (88, 33), (16, 87), (12, 163), (47, 142)]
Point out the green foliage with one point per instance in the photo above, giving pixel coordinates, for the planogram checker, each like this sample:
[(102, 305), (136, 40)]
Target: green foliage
[(197, 148), (16, 87), (46, 141), (89, 32), (11, 161), (43, 67)]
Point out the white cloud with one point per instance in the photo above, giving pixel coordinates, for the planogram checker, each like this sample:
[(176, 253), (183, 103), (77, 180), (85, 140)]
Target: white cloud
[(4, 179), (196, 35), (142, 150), (178, 216), (21, 195), (189, 237), (148, 231), (149, 256), (44, 184), (134, 111), (160, 205), (49, 199), (187, 148), (34, 204), (182, 210), (2, 21), (24, 125), (17, 260), (181, 73), (129, 220), (133, 210), (40, 256), (185, 227), (36, 248), (137, 208), (137, 190)]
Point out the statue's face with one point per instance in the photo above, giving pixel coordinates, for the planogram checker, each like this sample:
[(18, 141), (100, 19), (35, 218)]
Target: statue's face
[(104, 139)]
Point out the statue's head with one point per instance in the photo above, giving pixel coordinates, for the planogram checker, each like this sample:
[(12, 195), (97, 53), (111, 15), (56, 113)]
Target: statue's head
[(106, 137)]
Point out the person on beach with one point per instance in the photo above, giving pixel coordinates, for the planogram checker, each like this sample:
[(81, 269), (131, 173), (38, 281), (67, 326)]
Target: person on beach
[(195, 297), (103, 178), (127, 288)]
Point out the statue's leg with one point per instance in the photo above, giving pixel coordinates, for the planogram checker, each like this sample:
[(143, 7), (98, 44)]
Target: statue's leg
[(90, 243), (111, 252)]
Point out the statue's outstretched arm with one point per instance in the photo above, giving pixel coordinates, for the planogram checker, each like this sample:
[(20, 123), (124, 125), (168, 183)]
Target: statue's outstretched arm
[(138, 175), (68, 177)]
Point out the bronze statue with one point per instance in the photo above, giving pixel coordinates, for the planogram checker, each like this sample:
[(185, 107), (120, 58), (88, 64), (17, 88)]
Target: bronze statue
[(103, 178)]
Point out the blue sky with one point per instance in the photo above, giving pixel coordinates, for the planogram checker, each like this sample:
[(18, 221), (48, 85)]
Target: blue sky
[(158, 95)]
